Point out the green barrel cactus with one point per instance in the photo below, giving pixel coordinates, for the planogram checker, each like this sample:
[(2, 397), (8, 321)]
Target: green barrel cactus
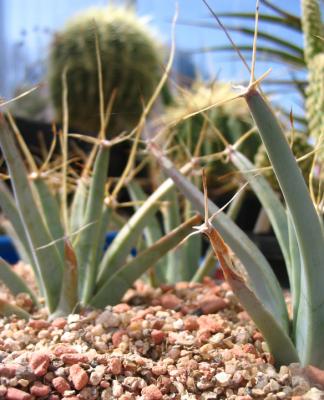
[(300, 147), (131, 66)]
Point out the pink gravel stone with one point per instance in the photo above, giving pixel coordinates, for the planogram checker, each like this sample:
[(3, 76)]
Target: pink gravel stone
[(203, 336), (157, 336), (8, 371), (117, 337), (60, 384), (170, 301), (38, 324), (59, 322), (211, 304), (115, 366), (78, 376), (249, 348), (39, 390), (39, 363), (191, 324), (16, 394), (158, 370), (257, 336), (208, 323), (62, 349), (315, 374), (74, 358), (151, 392), (121, 308)]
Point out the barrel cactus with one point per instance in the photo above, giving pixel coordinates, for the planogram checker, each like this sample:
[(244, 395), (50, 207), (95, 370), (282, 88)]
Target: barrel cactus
[(131, 65), (300, 148)]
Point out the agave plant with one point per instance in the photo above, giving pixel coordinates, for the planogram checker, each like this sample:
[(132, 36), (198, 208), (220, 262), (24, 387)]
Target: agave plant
[(295, 336), (68, 261), (300, 232)]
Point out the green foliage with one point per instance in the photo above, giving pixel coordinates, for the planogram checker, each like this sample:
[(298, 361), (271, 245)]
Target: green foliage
[(219, 126), (131, 65), (300, 147), (70, 266), (297, 222), (301, 237), (185, 263)]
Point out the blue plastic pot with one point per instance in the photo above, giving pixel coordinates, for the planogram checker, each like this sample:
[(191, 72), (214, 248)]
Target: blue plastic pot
[(9, 253)]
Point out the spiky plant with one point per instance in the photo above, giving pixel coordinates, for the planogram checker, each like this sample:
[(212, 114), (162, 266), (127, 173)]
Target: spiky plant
[(67, 256), (219, 126), (300, 148), (298, 224), (131, 66)]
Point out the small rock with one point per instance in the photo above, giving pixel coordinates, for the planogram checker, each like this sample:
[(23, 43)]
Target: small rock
[(108, 319), (3, 391), (117, 389), (16, 394), (39, 363), (97, 375), (223, 378), (54, 397), (74, 358), (62, 349), (209, 324), (88, 393), (60, 384), (134, 383), (8, 371), (170, 301), (121, 308), (59, 322), (151, 392), (158, 370), (38, 324), (191, 324), (39, 390), (157, 336), (78, 376), (115, 366), (211, 304), (314, 394), (117, 337), (249, 348), (315, 374)]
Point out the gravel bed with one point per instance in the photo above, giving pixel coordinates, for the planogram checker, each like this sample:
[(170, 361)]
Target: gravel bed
[(188, 341)]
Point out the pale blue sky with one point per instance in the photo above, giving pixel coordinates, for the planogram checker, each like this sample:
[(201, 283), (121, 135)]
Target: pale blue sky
[(27, 27)]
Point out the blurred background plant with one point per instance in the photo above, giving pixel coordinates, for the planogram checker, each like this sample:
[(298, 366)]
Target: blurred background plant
[(207, 132), (131, 59)]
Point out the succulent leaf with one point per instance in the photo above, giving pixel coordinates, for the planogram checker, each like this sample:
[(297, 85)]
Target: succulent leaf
[(47, 260), (310, 319), (114, 288)]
